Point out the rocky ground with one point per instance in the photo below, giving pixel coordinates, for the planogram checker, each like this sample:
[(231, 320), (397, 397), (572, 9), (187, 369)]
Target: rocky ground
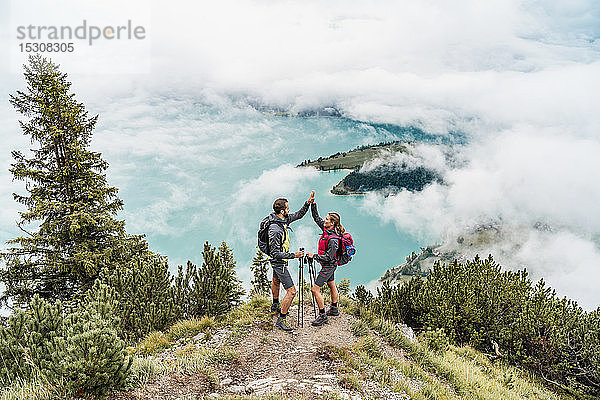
[(270, 362)]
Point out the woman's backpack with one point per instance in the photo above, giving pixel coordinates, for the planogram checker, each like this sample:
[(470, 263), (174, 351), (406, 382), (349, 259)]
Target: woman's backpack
[(346, 249)]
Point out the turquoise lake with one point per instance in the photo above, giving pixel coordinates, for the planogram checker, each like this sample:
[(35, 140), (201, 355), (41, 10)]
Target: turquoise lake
[(204, 173)]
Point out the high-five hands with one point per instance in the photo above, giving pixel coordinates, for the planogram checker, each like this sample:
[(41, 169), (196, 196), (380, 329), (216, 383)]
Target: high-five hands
[(311, 199)]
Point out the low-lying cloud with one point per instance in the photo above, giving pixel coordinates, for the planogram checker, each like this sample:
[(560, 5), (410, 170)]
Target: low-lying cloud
[(520, 180)]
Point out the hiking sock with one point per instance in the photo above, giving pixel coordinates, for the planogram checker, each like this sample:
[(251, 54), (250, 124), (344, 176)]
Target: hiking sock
[(333, 304), (321, 311), (282, 315)]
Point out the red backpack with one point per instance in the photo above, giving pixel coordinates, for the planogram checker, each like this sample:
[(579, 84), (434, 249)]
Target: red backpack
[(345, 250)]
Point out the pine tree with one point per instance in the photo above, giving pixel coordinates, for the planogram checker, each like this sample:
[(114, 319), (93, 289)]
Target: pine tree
[(183, 291), (212, 289), (69, 228), (145, 297), (216, 286), (260, 284), (234, 291), (79, 352), (94, 360)]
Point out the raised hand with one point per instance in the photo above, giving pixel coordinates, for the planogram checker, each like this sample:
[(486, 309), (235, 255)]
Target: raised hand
[(311, 199)]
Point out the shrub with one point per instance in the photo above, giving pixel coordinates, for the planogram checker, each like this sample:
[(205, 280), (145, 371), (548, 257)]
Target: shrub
[(80, 350), (261, 284), (478, 303), (213, 289), (27, 347), (362, 295), (146, 298), (343, 287), (436, 340), (95, 360)]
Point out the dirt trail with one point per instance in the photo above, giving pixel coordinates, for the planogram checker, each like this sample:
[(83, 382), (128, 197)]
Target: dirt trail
[(292, 363), (270, 362)]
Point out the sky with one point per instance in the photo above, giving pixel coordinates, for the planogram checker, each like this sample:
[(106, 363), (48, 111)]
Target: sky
[(520, 78)]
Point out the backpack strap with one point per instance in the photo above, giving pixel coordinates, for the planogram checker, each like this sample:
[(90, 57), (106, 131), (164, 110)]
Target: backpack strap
[(338, 253)]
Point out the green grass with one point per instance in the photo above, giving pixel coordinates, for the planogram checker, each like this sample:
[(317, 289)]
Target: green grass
[(355, 158), (421, 373), (152, 343), (143, 369), (467, 372), (188, 361), (190, 327), (269, 396), (25, 390), (350, 381), (370, 346), (245, 316), (359, 327)]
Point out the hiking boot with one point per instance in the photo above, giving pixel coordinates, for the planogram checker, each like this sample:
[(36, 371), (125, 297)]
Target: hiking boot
[(333, 311), (275, 307), (321, 319), (282, 325)]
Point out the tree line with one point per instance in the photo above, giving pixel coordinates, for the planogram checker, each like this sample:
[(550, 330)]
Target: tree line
[(385, 176)]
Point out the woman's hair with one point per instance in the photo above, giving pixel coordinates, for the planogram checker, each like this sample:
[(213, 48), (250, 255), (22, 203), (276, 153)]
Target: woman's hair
[(337, 224)]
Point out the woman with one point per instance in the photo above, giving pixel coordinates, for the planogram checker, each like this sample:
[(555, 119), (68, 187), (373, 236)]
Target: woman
[(328, 246)]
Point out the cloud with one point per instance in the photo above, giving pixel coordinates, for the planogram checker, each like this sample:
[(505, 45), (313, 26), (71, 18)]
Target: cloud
[(517, 179), (160, 215), (258, 194), (418, 155), (273, 183), (432, 64), (253, 200)]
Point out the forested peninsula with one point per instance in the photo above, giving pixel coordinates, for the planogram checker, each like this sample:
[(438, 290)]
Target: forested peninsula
[(388, 177)]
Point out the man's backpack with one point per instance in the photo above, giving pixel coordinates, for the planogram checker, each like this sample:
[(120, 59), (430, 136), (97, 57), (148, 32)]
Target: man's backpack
[(263, 234)]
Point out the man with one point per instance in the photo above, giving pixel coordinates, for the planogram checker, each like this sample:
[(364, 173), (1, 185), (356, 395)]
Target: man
[(279, 247)]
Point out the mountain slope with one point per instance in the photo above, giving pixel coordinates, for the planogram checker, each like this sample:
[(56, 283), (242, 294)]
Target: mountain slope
[(242, 356)]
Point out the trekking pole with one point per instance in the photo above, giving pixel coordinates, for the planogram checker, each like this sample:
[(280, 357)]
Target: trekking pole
[(312, 275), (300, 299), (299, 274)]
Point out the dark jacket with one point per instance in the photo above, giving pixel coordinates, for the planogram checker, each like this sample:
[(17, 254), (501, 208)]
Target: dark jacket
[(332, 246), (277, 234)]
